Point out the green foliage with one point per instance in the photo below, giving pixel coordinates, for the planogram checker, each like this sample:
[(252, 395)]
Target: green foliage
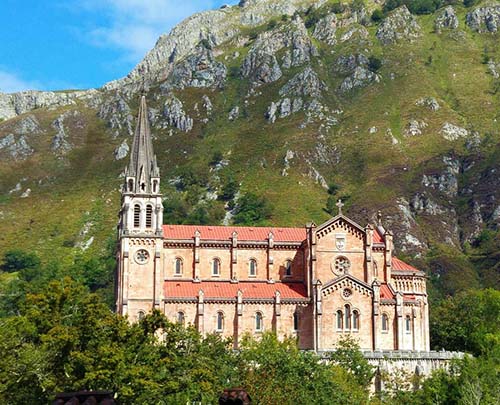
[(468, 321), (338, 8), (252, 210), (330, 207), (19, 260), (348, 355), (229, 189), (377, 15), (374, 63), (272, 24), (415, 6), (277, 372), (217, 157), (357, 5)]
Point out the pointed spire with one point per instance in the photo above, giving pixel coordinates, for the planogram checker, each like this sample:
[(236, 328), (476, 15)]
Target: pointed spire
[(142, 159)]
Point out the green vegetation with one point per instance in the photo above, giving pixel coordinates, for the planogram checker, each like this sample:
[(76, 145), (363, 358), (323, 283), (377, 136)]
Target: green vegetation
[(56, 334)]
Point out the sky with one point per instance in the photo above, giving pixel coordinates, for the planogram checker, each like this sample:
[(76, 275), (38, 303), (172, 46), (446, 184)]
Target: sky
[(80, 44)]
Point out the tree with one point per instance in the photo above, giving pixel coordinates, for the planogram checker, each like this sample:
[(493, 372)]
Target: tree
[(348, 355), (19, 260), (277, 372), (252, 210)]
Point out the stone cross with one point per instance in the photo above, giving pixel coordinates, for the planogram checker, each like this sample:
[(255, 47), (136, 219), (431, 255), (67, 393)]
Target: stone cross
[(340, 204)]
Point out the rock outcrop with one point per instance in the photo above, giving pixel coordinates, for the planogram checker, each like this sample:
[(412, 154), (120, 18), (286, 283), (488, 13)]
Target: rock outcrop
[(484, 19), (446, 19), (176, 117), (17, 149), (326, 29), (12, 105), (399, 25), (452, 132)]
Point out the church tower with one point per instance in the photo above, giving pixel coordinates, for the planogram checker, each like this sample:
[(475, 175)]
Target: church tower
[(140, 226)]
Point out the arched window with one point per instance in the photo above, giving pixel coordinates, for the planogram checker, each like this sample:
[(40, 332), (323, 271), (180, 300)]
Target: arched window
[(295, 321), (215, 267), (355, 320), (339, 319), (375, 269), (252, 268), (149, 216), (137, 216), (181, 318), (130, 185), (288, 268), (155, 186), (259, 326), (347, 317), (408, 324), (140, 315), (219, 326), (178, 266), (385, 323)]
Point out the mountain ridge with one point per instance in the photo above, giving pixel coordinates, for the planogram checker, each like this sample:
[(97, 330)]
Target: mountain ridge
[(298, 105)]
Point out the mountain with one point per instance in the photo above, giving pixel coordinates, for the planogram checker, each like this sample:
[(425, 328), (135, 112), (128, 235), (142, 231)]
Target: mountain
[(284, 107)]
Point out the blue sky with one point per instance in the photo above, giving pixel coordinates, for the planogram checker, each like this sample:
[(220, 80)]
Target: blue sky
[(69, 44)]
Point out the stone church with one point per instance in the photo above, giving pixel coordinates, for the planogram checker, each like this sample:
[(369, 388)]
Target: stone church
[(317, 283)]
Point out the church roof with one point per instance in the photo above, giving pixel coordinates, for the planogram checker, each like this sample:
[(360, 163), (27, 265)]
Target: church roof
[(245, 233), (225, 289), (400, 265), (377, 237), (385, 292)]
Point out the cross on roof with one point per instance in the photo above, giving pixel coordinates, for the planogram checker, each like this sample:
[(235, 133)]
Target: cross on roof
[(340, 204)]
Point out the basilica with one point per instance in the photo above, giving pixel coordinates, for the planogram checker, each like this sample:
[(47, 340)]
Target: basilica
[(317, 283)]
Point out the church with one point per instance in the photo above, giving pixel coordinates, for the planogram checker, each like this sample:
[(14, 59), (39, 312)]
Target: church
[(317, 283)]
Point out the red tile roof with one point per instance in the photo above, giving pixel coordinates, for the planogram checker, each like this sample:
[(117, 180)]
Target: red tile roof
[(400, 265), (245, 233), (221, 289), (385, 292), (377, 237)]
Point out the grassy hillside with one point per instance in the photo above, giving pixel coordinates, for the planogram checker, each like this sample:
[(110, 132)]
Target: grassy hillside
[(358, 142)]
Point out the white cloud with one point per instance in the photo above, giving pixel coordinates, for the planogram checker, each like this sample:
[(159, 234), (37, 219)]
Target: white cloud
[(133, 26), (11, 83)]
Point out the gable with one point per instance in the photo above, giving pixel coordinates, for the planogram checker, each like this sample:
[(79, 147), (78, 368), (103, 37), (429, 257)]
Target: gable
[(340, 222), (346, 281)]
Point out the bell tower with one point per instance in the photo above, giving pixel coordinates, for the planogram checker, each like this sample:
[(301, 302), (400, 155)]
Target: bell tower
[(140, 226)]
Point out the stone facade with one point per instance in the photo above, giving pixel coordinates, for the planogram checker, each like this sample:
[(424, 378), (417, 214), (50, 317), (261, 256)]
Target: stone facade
[(318, 283)]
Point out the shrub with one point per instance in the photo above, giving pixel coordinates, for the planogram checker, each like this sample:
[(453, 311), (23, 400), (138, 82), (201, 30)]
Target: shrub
[(338, 8), (377, 15), (252, 209), (374, 63), (272, 24)]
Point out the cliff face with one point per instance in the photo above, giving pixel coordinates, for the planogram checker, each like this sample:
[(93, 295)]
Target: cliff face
[(297, 101)]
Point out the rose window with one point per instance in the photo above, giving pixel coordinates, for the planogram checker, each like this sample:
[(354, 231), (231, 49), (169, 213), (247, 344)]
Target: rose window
[(342, 265), (347, 293), (142, 256)]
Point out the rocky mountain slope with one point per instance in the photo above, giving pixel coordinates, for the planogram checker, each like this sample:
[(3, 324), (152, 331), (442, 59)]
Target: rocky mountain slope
[(300, 102)]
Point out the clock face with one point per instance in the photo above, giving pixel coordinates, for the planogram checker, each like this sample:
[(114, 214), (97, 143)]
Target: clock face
[(142, 256)]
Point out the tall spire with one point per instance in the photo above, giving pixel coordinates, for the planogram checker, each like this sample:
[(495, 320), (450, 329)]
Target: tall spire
[(142, 165)]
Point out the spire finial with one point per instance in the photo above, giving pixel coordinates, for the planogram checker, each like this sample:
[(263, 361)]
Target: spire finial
[(143, 164), (340, 204)]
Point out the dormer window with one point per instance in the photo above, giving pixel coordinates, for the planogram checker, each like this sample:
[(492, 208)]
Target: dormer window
[(155, 186), (143, 186), (130, 185), (288, 268)]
